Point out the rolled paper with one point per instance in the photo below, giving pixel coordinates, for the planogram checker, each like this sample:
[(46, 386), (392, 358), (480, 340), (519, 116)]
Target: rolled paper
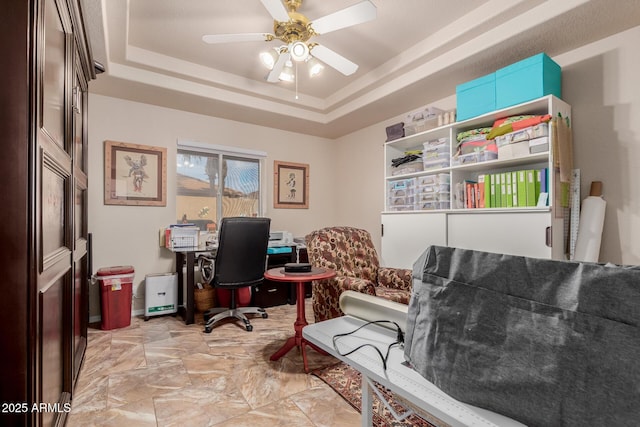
[(590, 229), (371, 308)]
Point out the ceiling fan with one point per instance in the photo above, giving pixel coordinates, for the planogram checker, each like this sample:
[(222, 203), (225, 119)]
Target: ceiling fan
[(295, 30)]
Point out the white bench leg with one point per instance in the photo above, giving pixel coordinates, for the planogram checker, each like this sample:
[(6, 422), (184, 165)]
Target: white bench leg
[(367, 402)]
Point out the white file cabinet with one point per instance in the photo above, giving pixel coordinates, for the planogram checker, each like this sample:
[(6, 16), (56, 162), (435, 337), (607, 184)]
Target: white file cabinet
[(161, 294)]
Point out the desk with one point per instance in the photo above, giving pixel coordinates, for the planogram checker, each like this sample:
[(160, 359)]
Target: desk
[(398, 378), (299, 279), (188, 254)]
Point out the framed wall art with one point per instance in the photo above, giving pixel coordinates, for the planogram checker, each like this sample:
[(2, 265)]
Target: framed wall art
[(290, 185), (134, 174)]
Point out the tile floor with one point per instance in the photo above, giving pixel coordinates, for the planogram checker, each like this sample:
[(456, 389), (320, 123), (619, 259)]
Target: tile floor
[(165, 373)]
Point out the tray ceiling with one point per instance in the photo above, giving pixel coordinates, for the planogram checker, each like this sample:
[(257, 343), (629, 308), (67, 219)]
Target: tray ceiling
[(413, 53)]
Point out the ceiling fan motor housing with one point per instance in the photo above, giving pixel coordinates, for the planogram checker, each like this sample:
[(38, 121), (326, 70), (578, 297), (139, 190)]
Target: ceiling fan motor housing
[(296, 29)]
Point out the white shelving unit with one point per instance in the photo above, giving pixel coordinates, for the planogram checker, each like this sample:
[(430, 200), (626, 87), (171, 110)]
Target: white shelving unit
[(529, 231)]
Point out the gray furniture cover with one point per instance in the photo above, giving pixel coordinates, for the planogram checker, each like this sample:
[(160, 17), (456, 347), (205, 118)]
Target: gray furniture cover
[(547, 343)]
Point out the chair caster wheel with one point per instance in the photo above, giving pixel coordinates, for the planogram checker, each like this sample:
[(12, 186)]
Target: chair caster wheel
[(265, 315), (249, 328), (207, 330)]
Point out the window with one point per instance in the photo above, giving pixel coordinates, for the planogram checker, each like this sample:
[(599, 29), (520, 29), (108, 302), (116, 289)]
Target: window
[(214, 182)]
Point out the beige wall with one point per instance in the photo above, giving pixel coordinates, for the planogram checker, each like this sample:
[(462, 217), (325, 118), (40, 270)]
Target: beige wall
[(129, 235), (601, 83), (346, 185)]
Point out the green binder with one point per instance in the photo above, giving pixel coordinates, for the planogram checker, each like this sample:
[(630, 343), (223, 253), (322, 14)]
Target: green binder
[(532, 196), (498, 178), (522, 188), (492, 190), (514, 188), (509, 192)]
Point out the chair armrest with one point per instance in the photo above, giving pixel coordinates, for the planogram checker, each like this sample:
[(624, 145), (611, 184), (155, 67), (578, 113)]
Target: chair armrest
[(326, 294), (356, 284), (396, 278)]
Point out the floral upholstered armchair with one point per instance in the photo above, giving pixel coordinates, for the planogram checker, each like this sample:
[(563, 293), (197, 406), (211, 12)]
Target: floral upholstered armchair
[(350, 252)]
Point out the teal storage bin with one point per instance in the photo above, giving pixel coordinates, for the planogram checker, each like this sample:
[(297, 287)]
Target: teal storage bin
[(528, 79), (476, 97)]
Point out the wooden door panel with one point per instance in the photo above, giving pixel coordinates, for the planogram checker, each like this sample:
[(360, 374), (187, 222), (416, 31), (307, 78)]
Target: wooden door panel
[(80, 225), (52, 343), (80, 294), (53, 202), (54, 75), (80, 312), (79, 119)]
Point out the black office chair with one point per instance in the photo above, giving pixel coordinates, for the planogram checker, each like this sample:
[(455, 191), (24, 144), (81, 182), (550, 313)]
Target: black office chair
[(239, 262)]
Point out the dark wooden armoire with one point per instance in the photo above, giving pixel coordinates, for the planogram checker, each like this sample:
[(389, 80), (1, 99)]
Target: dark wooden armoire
[(44, 72)]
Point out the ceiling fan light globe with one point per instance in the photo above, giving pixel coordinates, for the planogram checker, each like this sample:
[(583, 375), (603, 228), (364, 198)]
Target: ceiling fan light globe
[(314, 66), (299, 51), (286, 77), (269, 58), (287, 73)]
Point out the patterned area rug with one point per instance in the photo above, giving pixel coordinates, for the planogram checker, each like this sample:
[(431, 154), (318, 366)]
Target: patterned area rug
[(346, 381)]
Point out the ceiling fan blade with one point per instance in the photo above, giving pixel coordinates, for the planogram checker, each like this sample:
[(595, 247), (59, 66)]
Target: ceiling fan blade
[(230, 38), (334, 60), (364, 11), (274, 75), (276, 9)]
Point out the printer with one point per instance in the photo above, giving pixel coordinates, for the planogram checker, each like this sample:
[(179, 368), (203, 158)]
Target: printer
[(280, 238)]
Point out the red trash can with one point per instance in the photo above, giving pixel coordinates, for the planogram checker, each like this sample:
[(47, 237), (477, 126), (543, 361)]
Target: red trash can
[(115, 295)]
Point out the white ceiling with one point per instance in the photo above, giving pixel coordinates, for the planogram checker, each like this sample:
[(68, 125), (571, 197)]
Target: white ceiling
[(413, 53)]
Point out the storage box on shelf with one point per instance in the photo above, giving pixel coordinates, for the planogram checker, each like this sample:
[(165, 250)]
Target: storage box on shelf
[(408, 168), (520, 82), (516, 224), (400, 194), (513, 150), (539, 145), (435, 179), (401, 187), (528, 79), (436, 154), (476, 157), (476, 97), (421, 120), (420, 126), (517, 144), (433, 193), (541, 129)]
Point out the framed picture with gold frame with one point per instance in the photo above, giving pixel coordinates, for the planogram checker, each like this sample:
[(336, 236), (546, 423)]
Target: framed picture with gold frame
[(290, 185), (134, 175)]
